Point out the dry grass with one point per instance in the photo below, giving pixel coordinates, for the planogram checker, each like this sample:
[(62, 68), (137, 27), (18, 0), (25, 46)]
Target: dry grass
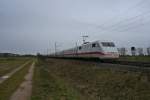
[(101, 83), (47, 86), (8, 64), (12, 83), (135, 58)]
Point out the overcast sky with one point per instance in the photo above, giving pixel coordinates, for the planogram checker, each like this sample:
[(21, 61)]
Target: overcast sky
[(30, 26)]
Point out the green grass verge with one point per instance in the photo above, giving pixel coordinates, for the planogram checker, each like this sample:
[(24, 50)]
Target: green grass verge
[(47, 86), (100, 83), (8, 64), (12, 83), (135, 58)]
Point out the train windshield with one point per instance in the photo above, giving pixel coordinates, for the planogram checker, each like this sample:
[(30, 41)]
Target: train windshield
[(108, 44)]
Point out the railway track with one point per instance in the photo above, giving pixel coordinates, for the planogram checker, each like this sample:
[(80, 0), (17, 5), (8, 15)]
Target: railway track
[(131, 63), (143, 67)]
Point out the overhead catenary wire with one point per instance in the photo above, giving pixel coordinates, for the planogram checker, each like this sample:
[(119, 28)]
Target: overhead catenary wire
[(117, 26), (131, 20), (126, 12)]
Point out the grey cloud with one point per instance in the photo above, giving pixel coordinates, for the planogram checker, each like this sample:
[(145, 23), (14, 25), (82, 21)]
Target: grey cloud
[(30, 26)]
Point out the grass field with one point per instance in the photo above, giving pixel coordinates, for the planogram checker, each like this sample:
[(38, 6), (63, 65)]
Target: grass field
[(9, 63), (47, 86), (13, 82), (56, 79), (135, 58)]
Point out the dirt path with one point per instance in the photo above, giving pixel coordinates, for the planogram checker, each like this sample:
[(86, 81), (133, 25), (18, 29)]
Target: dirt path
[(3, 78), (25, 89)]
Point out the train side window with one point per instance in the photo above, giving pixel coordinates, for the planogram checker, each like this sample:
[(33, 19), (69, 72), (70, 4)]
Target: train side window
[(80, 48), (108, 44), (93, 45)]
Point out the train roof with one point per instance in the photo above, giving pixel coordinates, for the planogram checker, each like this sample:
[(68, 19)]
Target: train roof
[(103, 41), (98, 41), (87, 43)]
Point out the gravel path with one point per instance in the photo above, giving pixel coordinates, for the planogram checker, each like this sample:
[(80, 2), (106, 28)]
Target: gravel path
[(25, 89), (3, 78)]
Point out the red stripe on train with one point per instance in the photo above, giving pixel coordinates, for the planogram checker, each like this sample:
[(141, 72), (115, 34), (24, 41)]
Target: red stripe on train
[(85, 53)]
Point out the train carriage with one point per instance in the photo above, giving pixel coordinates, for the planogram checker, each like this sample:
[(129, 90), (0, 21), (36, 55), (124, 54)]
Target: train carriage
[(97, 49)]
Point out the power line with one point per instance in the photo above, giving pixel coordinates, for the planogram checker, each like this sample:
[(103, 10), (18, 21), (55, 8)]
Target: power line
[(127, 11), (132, 19), (125, 20), (132, 27)]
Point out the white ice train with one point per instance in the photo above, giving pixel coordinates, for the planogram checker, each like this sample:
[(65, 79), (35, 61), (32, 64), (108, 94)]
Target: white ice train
[(97, 49)]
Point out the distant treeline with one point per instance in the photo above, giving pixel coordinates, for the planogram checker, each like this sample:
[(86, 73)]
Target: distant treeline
[(15, 55)]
